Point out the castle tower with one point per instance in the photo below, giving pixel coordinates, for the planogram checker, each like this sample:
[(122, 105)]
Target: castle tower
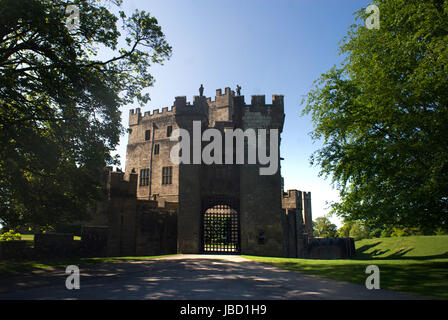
[(245, 201)]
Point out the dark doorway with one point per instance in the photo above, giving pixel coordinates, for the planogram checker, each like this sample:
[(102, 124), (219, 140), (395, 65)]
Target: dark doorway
[(220, 226)]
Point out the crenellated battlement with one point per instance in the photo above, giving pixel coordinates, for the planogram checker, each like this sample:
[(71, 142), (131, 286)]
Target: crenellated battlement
[(135, 115), (292, 199), (260, 101), (118, 186), (201, 104), (222, 99), (157, 113), (258, 114), (180, 106), (227, 92)]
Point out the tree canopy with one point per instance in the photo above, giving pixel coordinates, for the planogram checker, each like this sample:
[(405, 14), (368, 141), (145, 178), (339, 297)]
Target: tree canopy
[(382, 116), (323, 227), (60, 94)]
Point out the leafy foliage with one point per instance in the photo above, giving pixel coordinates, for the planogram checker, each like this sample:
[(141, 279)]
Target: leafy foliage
[(383, 117), (59, 102), (359, 231), (344, 231), (10, 236), (322, 227)]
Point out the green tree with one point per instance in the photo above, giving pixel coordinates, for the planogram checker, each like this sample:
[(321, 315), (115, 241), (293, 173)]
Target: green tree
[(60, 98), (382, 116), (405, 232), (386, 232), (359, 231), (344, 231), (322, 227), (375, 233)]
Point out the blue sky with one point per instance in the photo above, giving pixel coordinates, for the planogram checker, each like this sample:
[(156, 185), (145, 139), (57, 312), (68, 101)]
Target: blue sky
[(267, 47)]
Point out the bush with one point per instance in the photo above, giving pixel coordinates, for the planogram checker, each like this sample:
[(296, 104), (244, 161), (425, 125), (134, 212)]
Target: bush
[(440, 232), (344, 231), (376, 233), (405, 232), (386, 233), (10, 236)]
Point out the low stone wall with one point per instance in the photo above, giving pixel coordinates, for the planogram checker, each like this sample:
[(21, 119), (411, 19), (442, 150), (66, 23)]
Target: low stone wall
[(16, 250), (55, 245), (126, 226), (48, 245), (94, 241), (330, 248), (156, 232)]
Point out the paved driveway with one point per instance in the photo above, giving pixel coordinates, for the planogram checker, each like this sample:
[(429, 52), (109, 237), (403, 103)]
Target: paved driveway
[(198, 277)]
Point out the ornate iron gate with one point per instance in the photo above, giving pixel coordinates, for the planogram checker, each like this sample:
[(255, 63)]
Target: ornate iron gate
[(220, 226)]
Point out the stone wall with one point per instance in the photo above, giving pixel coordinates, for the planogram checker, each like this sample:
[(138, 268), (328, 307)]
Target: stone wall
[(301, 202), (298, 230), (156, 232), (126, 226), (45, 245), (141, 154), (330, 248), (294, 222), (294, 239), (55, 244), (16, 249), (95, 241)]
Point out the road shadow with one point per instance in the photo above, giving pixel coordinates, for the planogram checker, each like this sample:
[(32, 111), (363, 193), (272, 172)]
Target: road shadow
[(201, 279)]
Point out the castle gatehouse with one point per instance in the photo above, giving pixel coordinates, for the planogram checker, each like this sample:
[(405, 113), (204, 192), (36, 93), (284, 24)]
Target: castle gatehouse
[(158, 206)]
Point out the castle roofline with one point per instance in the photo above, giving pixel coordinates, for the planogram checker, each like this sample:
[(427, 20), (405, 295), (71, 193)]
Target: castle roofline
[(181, 105)]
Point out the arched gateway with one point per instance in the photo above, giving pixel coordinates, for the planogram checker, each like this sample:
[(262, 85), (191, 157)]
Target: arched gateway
[(220, 226)]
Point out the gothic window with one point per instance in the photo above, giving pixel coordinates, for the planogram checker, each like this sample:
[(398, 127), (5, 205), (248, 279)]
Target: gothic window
[(144, 177), (147, 134), (167, 175), (156, 149), (169, 130)]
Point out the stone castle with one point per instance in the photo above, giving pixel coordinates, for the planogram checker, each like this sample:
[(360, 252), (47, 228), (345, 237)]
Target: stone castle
[(157, 207)]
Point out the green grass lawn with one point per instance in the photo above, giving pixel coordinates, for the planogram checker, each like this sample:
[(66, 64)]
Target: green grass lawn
[(30, 237), (27, 237), (416, 264)]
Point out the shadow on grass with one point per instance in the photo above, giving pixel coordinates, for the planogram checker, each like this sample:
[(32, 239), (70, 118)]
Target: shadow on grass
[(378, 254), (429, 279)]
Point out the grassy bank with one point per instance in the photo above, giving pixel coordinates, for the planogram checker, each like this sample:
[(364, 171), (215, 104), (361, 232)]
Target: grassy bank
[(417, 264)]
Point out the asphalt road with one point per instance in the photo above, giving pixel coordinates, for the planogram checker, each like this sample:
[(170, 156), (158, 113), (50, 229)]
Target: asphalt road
[(195, 277)]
